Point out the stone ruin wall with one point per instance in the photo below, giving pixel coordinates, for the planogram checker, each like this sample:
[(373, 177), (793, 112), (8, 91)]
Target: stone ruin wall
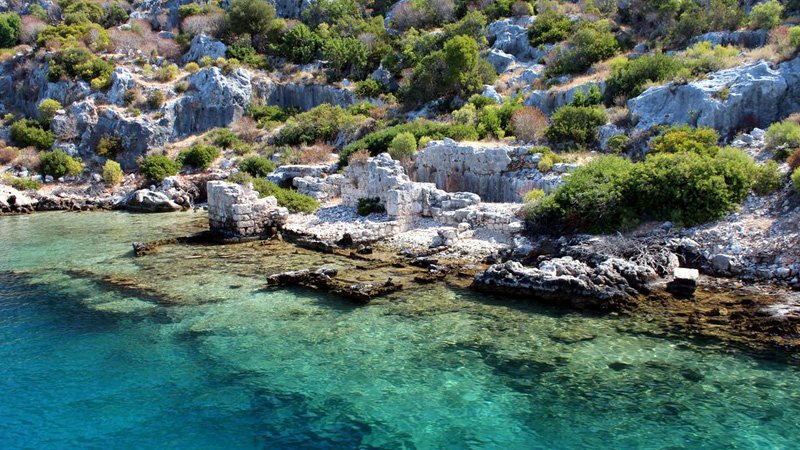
[(237, 212), (498, 174)]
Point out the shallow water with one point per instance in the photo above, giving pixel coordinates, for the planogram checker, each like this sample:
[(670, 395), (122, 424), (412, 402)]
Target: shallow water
[(199, 355)]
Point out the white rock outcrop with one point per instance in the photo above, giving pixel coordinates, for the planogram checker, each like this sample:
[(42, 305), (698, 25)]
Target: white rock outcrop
[(202, 46), (729, 100)]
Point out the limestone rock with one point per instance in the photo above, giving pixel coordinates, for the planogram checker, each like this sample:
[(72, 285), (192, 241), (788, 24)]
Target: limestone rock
[(490, 92), (384, 78), (121, 81), (741, 38), (203, 46), (214, 100), (303, 96), (145, 200), (549, 101), (728, 101), (511, 36), (500, 60)]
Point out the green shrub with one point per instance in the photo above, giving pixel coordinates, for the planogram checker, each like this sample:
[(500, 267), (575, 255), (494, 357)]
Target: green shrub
[(618, 144), (572, 126), (300, 44), (404, 145), (550, 27), (29, 133), (796, 180), (112, 173), (267, 116), (765, 15), (10, 28), (680, 139), (66, 36), (767, 178), (783, 135), (58, 164), (545, 163), (590, 97), (109, 146), (158, 167), (250, 16), (321, 124), (691, 188), (292, 200), (257, 166), (630, 76), (534, 195), (80, 62), (367, 206), (192, 67), (193, 9), (594, 198), (794, 37), (47, 110), (591, 44), (369, 88), (224, 138), (199, 156), (379, 141), (155, 100), (25, 184), (167, 73)]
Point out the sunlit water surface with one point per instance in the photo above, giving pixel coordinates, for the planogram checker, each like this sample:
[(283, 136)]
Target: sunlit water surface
[(201, 356)]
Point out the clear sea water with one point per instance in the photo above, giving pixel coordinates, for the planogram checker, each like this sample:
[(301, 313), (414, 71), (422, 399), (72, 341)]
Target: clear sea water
[(191, 352)]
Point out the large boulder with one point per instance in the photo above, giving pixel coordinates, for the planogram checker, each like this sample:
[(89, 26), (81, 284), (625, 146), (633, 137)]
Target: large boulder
[(203, 46), (147, 201), (511, 37), (121, 82), (303, 96), (550, 100), (214, 100), (138, 134), (743, 38), (729, 100)]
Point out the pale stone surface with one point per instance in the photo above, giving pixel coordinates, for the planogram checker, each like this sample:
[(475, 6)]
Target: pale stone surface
[(549, 101), (202, 46), (235, 211), (728, 101)]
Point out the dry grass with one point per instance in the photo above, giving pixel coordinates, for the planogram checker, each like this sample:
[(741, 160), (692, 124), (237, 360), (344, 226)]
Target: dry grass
[(316, 154), (529, 124), (7, 154), (28, 158)]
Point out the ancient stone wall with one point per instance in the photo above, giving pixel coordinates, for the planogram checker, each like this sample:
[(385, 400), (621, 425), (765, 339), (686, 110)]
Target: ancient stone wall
[(237, 212), (498, 173)]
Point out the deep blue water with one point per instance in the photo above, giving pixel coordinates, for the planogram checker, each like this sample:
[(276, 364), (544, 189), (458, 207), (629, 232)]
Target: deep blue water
[(207, 359)]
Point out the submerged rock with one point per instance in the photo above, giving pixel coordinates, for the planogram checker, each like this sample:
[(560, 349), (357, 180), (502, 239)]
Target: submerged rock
[(323, 279)]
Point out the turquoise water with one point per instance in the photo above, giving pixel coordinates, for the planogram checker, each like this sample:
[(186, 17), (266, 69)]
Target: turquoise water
[(191, 352)]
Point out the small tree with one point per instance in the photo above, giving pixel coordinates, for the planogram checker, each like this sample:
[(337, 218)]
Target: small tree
[(257, 166), (10, 27), (404, 145), (112, 173), (47, 110), (765, 15), (250, 16), (158, 167), (575, 125), (58, 164)]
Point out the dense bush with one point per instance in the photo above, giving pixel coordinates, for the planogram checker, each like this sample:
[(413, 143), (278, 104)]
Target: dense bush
[(155, 100), (299, 44), (266, 116), (79, 62), (590, 44), (782, 136), (618, 144), (199, 156), (65, 36), (767, 178), (257, 166), (292, 200), (611, 193), (369, 88), (403, 146), (112, 173), (7, 154), (549, 27), (765, 15), (456, 70), (796, 180), (26, 184), (573, 126), (594, 198), (630, 76), (321, 124), (379, 141), (250, 16), (367, 206), (58, 164), (109, 146), (29, 133), (10, 27), (679, 139), (167, 73), (47, 109), (158, 167), (224, 138)]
